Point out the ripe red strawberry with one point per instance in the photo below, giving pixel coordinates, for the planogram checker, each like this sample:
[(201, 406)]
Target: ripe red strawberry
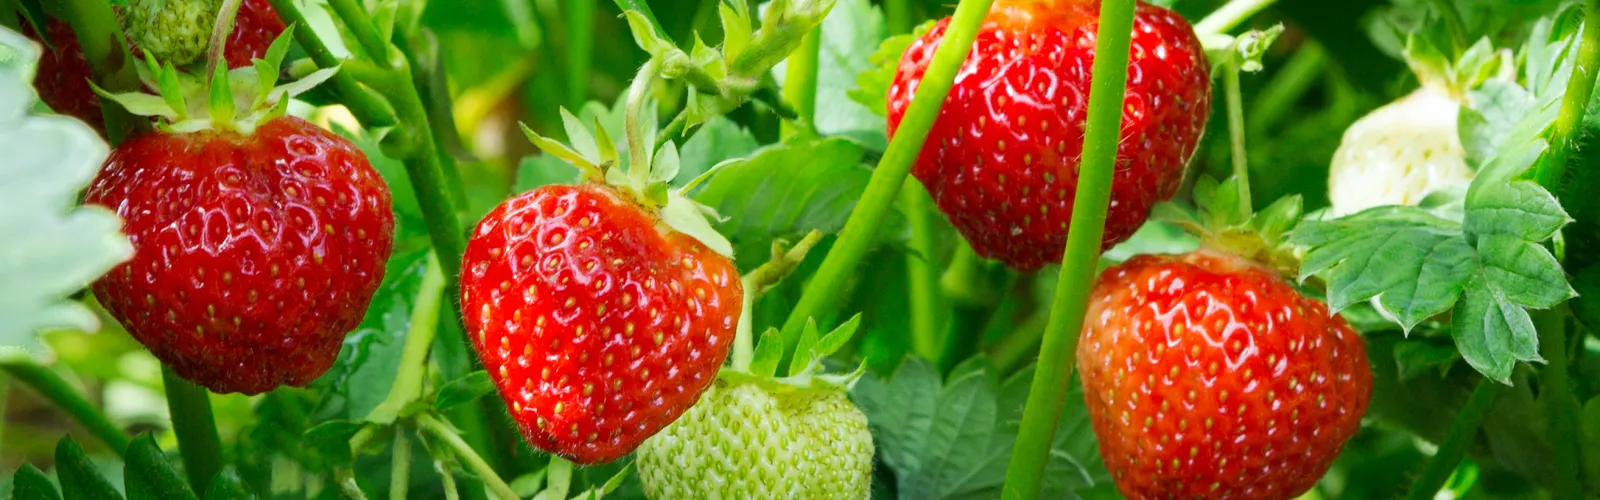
[(599, 324), (63, 76), (254, 254), (1002, 159), (254, 29), (1209, 376)]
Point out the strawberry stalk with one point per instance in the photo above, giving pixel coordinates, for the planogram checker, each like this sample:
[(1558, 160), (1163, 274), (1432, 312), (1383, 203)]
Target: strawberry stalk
[(884, 187), (1051, 380), (443, 434), (400, 465), (106, 49), (800, 84), (1461, 433), (366, 33), (922, 272), (48, 383), (196, 427), (1552, 169), (369, 108), (1236, 136)]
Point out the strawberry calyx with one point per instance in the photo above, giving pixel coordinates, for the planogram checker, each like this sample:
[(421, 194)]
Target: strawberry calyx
[(1477, 64), (1224, 225), (236, 101)]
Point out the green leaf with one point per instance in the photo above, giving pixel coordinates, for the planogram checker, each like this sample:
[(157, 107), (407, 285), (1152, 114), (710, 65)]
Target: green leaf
[(80, 480), (1487, 123), (148, 475), (791, 189), (32, 484), (227, 486), (1525, 272), (872, 84), (953, 440), (1520, 209), (850, 33), (1492, 332), (1418, 262), (685, 216), (718, 140), (769, 352), (365, 370), (1590, 423), (332, 439), (52, 248), (464, 390)]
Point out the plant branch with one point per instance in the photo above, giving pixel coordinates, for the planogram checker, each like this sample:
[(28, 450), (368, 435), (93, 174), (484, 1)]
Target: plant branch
[(898, 15), (884, 187), (1559, 402), (198, 443), (1454, 446), (360, 24), (106, 49), (370, 109), (922, 270), (48, 383), (400, 466), (413, 366), (1048, 392), (447, 436), (800, 83), (1552, 169), (1229, 16), (1236, 136)]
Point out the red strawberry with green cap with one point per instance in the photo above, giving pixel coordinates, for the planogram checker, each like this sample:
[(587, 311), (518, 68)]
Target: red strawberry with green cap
[(1209, 375), (601, 310), (1002, 159), (259, 238)]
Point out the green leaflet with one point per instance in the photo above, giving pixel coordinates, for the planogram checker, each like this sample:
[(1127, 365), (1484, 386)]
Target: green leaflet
[(148, 475), (872, 84), (31, 484), (80, 480), (463, 390), (52, 248)]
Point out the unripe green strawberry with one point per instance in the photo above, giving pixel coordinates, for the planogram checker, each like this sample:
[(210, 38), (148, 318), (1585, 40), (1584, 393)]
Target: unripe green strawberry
[(745, 440), (175, 31), (1398, 154)]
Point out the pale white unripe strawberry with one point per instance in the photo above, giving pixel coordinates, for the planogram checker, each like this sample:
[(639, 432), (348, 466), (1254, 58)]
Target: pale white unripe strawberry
[(1398, 154)]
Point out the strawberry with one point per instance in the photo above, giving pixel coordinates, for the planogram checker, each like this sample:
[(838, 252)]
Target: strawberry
[(1002, 159), (598, 323), (258, 238), (63, 76), (1399, 154), (176, 31), (1208, 375), (754, 440), (255, 27)]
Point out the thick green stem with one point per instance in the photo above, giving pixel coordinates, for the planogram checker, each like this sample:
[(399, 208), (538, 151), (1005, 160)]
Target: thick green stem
[(1241, 157), (637, 124), (198, 443), (898, 15), (1230, 15), (400, 466), (366, 33), (800, 83), (413, 366), (1552, 170), (1461, 432), (884, 187), (922, 270), (365, 105), (106, 49), (580, 42), (48, 383), (1560, 403), (444, 435), (1048, 392)]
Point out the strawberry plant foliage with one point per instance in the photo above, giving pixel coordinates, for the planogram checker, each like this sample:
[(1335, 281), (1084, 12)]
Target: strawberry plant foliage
[(52, 249)]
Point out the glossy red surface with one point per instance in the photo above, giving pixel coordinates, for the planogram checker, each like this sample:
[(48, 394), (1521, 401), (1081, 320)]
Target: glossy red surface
[(598, 324), (1207, 376), (254, 256), (1002, 159), (63, 75)]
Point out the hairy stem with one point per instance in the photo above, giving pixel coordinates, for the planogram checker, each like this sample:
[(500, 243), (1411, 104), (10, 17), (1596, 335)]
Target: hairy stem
[(1456, 440), (1048, 392), (922, 270), (447, 436), (800, 83), (580, 42), (106, 49), (1565, 134), (400, 466), (48, 383), (1559, 402), (884, 187), (196, 428), (1236, 137)]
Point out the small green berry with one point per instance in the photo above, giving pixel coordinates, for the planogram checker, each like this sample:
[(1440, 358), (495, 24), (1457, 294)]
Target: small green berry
[(176, 31)]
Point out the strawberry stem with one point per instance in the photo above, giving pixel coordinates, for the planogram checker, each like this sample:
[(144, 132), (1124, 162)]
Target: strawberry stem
[(884, 187), (1229, 16), (413, 366), (400, 466), (192, 421), (1552, 169), (216, 53), (1560, 402), (1461, 433), (638, 128), (106, 49), (48, 383), (1236, 135), (368, 108), (1048, 392), (443, 434), (922, 269), (800, 84), (366, 33)]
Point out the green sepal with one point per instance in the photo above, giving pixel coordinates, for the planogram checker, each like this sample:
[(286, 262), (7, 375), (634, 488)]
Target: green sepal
[(810, 378), (30, 483), (645, 35), (221, 102), (736, 30), (608, 147), (1222, 224), (556, 148), (814, 346), (664, 164), (579, 137), (686, 216)]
